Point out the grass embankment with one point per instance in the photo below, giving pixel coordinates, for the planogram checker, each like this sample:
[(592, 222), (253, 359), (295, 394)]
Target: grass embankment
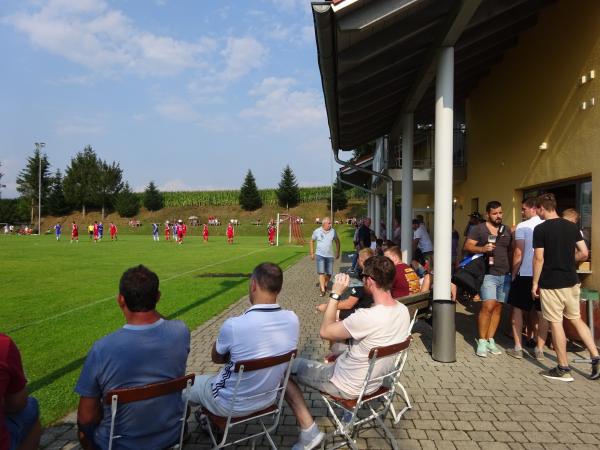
[(309, 211)]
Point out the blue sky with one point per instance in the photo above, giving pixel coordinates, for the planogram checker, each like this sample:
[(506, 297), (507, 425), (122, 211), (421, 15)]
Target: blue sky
[(188, 93)]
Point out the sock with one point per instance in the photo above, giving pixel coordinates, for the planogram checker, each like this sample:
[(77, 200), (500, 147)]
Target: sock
[(595, 359), (565, 368), (308, 434), (518, 348)]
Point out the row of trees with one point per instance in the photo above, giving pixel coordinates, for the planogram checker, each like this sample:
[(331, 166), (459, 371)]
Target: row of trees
[(88, 182), (288, 192)]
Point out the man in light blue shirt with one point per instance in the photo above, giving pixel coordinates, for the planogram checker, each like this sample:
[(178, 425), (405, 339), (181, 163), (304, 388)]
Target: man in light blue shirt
[(325, 236), (148, 349)]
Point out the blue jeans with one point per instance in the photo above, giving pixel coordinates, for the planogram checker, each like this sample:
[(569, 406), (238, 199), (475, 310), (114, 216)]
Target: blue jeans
[(19, 425), (495, 287), (324, 265)]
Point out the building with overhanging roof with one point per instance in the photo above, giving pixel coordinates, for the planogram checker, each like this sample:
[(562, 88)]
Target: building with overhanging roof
[(466, 101)]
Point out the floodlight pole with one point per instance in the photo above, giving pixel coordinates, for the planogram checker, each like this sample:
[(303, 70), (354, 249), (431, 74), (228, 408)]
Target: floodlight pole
[(38, 147)]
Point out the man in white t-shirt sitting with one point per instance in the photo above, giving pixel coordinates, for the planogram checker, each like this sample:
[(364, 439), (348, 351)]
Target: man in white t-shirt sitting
[(263, 330), (422, 241), (386, 322)]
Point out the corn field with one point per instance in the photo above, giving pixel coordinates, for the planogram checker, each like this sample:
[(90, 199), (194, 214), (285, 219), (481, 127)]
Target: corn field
[(231, 197)]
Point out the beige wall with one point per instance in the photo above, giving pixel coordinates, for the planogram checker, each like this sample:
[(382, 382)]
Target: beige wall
[(532, 96)]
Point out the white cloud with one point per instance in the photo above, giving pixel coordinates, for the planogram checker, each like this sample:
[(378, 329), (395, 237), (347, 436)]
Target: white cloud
[(90, 33), (79, 125), (241, 56), (281, 106), (178, 110), (175, 185)]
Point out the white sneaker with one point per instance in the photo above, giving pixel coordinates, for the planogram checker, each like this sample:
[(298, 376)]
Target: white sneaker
[(308, 443)]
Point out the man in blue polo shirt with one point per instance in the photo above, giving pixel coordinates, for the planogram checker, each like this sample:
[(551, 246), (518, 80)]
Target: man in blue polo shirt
[(325, 237), (148, 349)]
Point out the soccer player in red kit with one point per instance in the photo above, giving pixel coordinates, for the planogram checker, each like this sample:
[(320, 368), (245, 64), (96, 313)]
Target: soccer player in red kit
[(205, 232), (167, 231), (74, 233), (95, 231), (113, 231), (230, 233), (184, 227), (271, 231), (180, 232)]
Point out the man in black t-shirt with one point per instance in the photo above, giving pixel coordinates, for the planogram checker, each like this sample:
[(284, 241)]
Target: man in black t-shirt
[(558, 245), (494, 239)]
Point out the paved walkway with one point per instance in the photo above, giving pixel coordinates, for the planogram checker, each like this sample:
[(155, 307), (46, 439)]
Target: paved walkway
[(493, 403)]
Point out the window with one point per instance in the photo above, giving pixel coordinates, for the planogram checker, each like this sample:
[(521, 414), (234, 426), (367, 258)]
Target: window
[(575, 194)]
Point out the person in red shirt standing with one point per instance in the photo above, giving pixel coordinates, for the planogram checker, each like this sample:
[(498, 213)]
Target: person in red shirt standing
[(184, 228), (180, 232), (406, 281), (74, 232), (167, 231), (205, 232), (271, 232), (95, 232), (230, 233), (113, 231), (19, 414)]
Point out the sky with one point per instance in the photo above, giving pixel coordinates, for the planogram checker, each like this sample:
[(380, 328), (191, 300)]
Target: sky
[(189, 94)]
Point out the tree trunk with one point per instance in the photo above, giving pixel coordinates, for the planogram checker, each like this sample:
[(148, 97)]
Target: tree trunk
[(83, 210), (102, 211)]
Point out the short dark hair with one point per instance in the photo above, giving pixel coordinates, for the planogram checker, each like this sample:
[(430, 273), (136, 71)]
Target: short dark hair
[(546, 201), (139, 288), (530, 202), (269, 277), (494, 204), (416, 222), (382, 270)]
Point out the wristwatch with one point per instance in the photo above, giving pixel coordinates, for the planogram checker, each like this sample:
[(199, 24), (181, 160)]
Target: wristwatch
[(334, 296)]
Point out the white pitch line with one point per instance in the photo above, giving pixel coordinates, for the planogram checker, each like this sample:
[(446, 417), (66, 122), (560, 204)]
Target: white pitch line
[(112, 297)]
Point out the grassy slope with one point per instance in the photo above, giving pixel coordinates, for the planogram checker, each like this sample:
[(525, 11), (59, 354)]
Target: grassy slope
[(306, 210)]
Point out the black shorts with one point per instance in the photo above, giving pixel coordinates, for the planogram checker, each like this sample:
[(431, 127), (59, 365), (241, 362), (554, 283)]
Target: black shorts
[(520, 296)]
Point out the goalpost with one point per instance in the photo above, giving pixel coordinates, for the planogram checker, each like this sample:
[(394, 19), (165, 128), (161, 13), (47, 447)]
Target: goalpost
[(294, 228)]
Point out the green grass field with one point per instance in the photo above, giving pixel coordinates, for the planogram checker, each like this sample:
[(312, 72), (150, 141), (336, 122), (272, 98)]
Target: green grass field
[(58, 298)]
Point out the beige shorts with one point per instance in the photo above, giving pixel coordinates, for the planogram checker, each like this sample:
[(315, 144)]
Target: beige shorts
[(559, 303)]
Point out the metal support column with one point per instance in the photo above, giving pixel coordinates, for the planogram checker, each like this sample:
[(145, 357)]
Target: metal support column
[(444, 310), (389, 191), (377, 218), (407, 187)]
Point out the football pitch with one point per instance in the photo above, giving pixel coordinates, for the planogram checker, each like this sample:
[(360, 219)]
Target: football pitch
[(58, 298)]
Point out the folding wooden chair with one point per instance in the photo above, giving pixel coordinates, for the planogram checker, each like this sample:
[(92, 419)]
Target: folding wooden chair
[(378, 403), (121, 396), (225, 424)]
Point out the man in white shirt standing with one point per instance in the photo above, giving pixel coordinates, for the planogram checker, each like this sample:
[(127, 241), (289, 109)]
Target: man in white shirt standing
[(387, 322), (264, 330), (325, 236), (519, 296), (422, 241)]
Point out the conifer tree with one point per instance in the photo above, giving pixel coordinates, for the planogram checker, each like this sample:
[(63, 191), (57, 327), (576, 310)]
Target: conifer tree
[(340, 200), (249, 196), (28, 181), (153, 200), (127, 203), (57, 205), (288, 192)]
